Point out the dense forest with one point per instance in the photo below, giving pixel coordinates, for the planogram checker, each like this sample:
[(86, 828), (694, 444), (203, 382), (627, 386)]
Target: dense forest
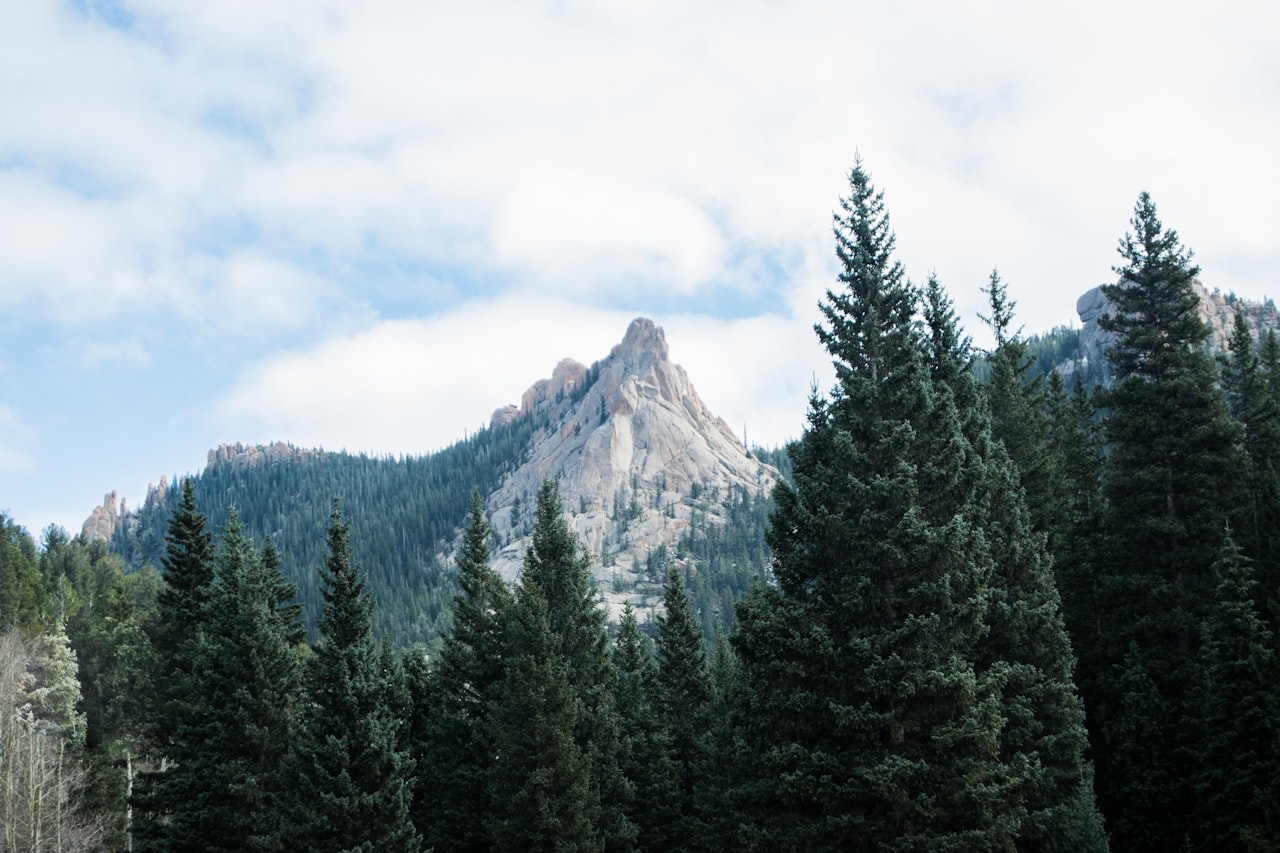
[(1003, 611)]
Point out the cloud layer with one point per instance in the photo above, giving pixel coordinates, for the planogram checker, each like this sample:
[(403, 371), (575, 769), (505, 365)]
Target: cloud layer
[(366, 225)]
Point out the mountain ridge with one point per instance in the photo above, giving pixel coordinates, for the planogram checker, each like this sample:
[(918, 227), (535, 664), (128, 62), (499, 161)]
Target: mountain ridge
[(649, 477)]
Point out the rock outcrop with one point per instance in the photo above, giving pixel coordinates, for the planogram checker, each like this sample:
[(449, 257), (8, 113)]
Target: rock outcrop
[(1217, 310), (635, 453), (250, 456), (102, 522), (106, 519)]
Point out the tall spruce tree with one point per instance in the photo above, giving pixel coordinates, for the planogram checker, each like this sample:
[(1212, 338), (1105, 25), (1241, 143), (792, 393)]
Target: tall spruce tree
[(159, 793), (1257, 410), (348, 772), (1027, 649), (873, 726), (240, 682), (1171, 489), (558, 566), (455, 701), (188, 580), (646, 755), (1018, 417), (545, 796), (248, 670), (1238, 702), (684, 696), (724, 754)]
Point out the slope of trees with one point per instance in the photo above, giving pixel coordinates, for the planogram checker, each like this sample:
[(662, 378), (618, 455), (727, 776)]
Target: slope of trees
[(403, 511)]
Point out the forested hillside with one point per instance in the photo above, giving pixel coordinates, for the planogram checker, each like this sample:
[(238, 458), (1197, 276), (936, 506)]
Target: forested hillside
[(1004, 611), (405, 514)]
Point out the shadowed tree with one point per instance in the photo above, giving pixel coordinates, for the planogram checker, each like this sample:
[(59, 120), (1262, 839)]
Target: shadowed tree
[(455, 702), (1171, 484), (348, 773)]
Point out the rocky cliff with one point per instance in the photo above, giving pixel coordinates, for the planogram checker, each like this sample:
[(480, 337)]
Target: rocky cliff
[(1216, 309), (637, 457), (103, 522)]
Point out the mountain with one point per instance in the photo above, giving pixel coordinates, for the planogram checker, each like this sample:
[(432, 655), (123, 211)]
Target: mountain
[(639, 459), (649, 478)]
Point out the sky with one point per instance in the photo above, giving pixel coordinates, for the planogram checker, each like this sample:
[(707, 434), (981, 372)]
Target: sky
[(365, 226)]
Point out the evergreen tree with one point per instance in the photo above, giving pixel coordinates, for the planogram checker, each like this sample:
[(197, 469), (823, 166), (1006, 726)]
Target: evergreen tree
[(1238, 700), (684, 694), (1142, 719), (230, 729), (1169, 486), (1018, 417), (724, 755), (108, 626), (348, 772), (282, 596), (1026, 650), (165, 794), (645, 754), (559, 568), (873, 727), (456, 700), (54, 698), (247, 670), (188, 574), (544, 796), (1257, 411), (21, 590)]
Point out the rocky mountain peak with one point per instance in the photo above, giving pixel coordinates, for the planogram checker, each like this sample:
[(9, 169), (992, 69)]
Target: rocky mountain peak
[(643, 346), (635, 453)]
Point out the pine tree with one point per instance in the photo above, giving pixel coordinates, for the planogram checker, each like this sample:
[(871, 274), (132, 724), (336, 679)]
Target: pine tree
[(21, 590), (1257, 410), (223, 756), (165, 794), (559, 568), (1170, 489), (282, 596), (684, 694), (456, 700), (247, 670), (348, 772), (1026, 650), (1018, 417), (1238, 699), (544, 796), (872, 724), (646, 754), (725, 754), (188, 574), (1077, 445)]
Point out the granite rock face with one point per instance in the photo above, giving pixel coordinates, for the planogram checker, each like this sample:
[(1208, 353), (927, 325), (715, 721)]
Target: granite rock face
[(635, 453), (1217, 310), (103, 521), (250, 456)]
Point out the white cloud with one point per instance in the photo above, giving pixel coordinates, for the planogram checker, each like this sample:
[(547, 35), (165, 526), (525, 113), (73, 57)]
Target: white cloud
[(413, 386), (416, 386), (253, 178), (569, 142), (587, 233)]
